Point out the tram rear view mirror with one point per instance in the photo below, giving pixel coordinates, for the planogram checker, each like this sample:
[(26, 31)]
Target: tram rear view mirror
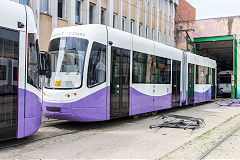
[(45, 64)]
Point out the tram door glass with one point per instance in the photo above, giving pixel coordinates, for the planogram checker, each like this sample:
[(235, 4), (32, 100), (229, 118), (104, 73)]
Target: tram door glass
[(176, 69), (9, 51), (119, 85), (190, 83), (213, 83)]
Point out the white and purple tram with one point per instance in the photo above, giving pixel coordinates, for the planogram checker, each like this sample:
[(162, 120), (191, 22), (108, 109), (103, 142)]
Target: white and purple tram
[(20, 105), (100, 73)]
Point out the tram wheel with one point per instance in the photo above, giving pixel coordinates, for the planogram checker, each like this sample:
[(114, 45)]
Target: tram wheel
[(136, 116), (154, 113)]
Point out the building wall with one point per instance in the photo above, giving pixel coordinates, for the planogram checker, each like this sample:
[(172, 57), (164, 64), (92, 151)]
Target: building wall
[(185, 12), (207, 28), (148, 13)]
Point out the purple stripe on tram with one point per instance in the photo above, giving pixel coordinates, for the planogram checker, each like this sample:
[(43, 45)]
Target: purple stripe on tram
[(203, 96), (186, 97), (142, 103), (90, 108), (29, 124), (93, 107)]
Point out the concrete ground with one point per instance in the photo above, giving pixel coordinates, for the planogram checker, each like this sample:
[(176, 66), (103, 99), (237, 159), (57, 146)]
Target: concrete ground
[(126, 138)]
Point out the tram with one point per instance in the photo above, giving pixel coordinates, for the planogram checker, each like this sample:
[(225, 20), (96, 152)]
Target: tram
[(20, 95), (100, 73)]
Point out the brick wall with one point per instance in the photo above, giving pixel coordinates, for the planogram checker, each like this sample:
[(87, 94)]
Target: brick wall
[(185, 12)]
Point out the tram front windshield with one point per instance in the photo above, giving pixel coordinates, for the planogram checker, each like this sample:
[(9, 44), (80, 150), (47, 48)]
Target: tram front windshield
[(67, 56), (224, 78)]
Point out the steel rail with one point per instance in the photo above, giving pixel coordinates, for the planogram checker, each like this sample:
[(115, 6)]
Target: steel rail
[(218, 143)]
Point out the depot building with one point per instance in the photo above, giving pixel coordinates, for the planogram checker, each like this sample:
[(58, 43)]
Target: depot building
[(216, 38)]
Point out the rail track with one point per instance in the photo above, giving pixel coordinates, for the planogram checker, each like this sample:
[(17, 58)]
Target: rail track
[(207, 152)]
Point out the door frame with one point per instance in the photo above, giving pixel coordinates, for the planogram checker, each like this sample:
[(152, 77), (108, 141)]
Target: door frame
[(120, 114), (234, 40)]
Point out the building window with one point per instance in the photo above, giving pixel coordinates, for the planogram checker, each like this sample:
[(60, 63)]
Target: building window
[(78, 11), (140, 29), (153, 34), (102, 16), (158, 36), (146, 32), (61, 8), (123, 23), (131, 26), (25, 2), (90, 14), (44, 6), (114, 20)]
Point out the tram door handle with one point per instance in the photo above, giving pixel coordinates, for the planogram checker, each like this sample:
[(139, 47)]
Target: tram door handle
[(175, 86)]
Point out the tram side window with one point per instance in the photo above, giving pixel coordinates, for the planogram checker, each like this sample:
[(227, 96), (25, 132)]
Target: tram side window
[(140, 68), (163, 67), (202, 75), (32, 68), (3, 71), (97, 65), (151, 69)]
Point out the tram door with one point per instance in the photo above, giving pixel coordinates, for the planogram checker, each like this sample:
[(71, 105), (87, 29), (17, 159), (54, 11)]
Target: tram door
[(9, 52), (119, 84), (190, 83), (176, 72), (213, 83)]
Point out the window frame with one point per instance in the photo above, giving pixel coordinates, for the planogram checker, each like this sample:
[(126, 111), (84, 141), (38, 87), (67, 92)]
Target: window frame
[(63, 9), (78, 9), (123, 23), (114, 20), (132, 26), (156, 68), (47, 9), (97, 84), (140, 29), (91, 15), (103, 13)]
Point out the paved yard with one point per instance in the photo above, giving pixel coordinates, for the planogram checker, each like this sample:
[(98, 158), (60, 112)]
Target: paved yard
[(127, 138)]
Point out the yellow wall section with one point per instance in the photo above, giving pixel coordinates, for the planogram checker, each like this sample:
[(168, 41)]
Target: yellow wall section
[(165, 23), (133, 9), (93, 1), (153, 17), (141, 12), (160, 21), (115, 6), (62, 23), (148, 15), (45, 32), (124, 8), (170, 25), (104, 3)]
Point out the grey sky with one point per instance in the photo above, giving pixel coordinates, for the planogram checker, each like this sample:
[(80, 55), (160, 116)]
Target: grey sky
[(215, 8)]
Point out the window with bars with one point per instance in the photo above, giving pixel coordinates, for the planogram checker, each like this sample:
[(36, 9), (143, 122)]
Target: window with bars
[(78, 11), (103, 16), (114, 21), (91, 7), (123, 23), (131, 26), (61, 9), (44, 5), (140, 29)]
